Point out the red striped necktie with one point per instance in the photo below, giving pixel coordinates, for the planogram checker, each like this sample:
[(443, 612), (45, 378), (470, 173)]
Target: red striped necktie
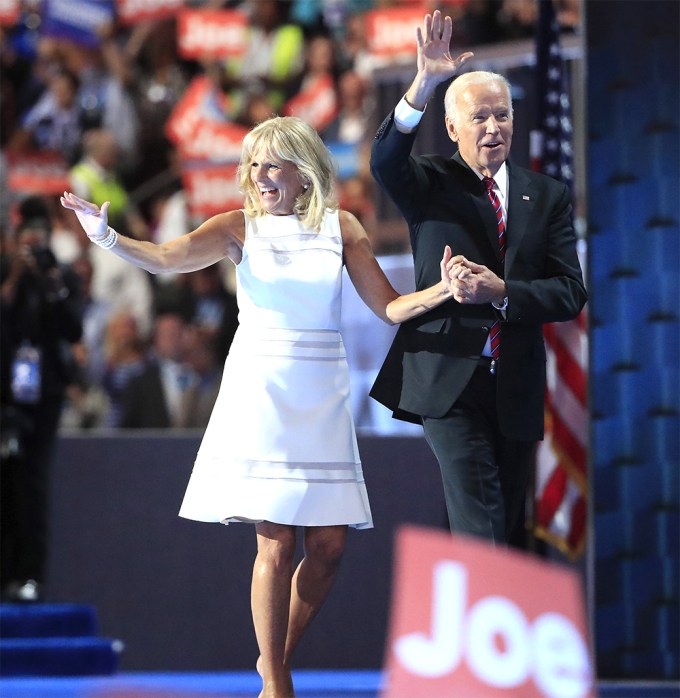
[(495, 332)]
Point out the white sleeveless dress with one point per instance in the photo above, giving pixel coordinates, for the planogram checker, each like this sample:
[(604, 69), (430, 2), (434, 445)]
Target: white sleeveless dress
[(280, 445)]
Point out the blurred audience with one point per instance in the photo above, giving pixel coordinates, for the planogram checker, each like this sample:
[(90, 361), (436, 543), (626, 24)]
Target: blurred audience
[(356, 196), (257, 108), (160, 79), (320, 59), (55, 122), (66, 241), (86, 405), (204, 355), (23, 78), (95, 178), (211, 307), (96, 314), (354, 50), (352, 124), (104, 108), (133, 292), (113, 281), (105, 96), (273, 58), (125, 354), (156, 398)]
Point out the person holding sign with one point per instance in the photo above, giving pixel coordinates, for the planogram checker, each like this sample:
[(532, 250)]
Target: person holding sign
[(280, 449), (472, 371)]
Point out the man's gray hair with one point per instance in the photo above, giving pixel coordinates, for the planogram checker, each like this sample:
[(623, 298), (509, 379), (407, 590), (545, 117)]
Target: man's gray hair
[(476, 77)]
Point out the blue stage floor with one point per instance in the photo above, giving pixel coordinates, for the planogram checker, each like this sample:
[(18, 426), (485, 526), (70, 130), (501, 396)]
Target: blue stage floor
[(246, 684)]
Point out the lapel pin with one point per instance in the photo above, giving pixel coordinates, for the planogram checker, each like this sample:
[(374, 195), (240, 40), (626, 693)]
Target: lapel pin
[(525, 197)]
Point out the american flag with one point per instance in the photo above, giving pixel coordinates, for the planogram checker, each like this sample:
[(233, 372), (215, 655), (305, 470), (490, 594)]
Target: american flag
[(561, 462)]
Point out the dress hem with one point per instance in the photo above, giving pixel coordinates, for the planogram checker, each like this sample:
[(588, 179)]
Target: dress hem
[(242, 519)]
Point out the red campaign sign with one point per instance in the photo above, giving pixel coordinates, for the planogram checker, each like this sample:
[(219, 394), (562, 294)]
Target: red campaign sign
[(317, 103), (133, 11), (45, 172), (470, 620), (9, 12), (211, 190), (211, 33), (215, 142), (181, 123), (392, 32), (198, 127)]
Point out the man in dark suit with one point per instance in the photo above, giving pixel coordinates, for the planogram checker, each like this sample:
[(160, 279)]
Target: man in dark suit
[(478, 394), (156, 397)]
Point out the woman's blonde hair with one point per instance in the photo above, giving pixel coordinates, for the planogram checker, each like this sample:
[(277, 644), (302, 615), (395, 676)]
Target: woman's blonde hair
[(287, 138)]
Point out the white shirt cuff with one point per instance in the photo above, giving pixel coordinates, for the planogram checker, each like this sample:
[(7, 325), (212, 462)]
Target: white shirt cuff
[(406, 116)]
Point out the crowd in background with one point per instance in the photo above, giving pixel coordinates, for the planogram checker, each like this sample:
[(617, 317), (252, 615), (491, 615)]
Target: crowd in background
[(151, 349)]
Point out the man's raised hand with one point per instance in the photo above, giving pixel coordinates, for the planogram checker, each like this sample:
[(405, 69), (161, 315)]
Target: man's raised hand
[(434, 53)]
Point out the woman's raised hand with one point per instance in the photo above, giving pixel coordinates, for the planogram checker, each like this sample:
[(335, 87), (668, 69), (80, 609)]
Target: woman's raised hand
[(93, 219)]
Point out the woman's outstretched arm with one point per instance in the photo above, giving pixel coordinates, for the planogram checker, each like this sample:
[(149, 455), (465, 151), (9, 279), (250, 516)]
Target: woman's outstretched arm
[(219, 237)]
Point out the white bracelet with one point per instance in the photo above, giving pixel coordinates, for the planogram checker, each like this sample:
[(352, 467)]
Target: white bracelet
[(108, 241)]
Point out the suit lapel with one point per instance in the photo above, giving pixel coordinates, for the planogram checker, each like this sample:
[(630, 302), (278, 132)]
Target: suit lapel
[(521, 200), (522, 196)]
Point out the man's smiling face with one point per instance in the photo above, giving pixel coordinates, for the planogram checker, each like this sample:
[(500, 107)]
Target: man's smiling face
[(482, 126)]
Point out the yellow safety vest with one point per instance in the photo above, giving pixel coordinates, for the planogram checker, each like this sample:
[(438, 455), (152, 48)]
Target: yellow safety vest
[(103, 189)]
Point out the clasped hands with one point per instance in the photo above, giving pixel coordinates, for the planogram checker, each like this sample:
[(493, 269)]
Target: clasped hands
[(471, 283)]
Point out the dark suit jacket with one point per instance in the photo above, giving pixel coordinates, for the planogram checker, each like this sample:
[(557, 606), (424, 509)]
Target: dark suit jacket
[(434, 355), (143, 403)]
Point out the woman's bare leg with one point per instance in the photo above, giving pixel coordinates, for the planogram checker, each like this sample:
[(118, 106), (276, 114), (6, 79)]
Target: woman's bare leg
[(313, 580), (270, 602)]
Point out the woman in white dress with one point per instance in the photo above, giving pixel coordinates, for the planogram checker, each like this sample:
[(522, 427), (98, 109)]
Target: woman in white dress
[(280, 448)]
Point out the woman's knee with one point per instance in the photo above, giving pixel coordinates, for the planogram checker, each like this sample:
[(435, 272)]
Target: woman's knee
[(325, 544), (276, 544)]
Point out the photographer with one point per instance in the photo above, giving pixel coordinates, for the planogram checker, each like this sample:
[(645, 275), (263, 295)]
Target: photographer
[(40, 318)]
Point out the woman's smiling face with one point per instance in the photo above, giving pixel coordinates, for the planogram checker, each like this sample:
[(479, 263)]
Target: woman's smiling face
[(277, 181)]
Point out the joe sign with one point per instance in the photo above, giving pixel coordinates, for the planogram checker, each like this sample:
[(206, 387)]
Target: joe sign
[(468, 620)]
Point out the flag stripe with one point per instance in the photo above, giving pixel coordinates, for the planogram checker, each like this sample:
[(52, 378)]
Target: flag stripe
[(570, 451), (569, 366), (551, 497), (578, 524), (561, 478), (562, 403)]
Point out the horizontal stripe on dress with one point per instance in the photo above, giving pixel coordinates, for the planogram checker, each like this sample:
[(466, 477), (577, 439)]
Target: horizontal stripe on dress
[(298, 344), (310, 472)]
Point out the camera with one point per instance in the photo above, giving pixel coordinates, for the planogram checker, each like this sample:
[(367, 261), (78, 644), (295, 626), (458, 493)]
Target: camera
[(44, 258)]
